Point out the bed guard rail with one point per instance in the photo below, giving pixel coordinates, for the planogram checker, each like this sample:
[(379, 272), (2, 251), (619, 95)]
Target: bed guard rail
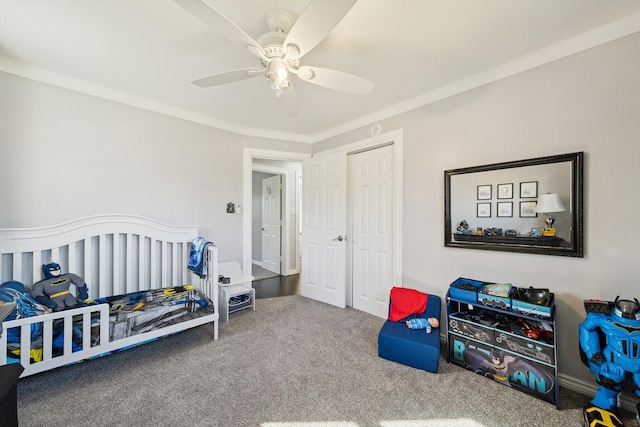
[(44, 332)]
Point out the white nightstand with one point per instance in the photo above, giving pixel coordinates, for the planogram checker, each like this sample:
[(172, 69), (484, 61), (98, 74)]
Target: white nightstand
[(239, 286)]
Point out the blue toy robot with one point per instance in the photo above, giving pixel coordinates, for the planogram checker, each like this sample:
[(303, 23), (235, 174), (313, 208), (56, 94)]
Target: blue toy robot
[(610, 347)]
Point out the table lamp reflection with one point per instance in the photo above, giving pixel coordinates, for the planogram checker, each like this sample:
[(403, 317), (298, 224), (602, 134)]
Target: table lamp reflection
[(548, 204)]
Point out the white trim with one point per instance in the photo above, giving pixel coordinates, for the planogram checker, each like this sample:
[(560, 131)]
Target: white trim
[(248, 155), (257, 167), (626, 401), (581, 42)]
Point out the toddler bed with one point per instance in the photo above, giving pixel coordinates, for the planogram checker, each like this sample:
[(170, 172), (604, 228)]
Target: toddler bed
[(139, 288)]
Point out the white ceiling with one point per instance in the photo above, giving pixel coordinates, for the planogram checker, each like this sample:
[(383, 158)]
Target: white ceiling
[(146, 53)]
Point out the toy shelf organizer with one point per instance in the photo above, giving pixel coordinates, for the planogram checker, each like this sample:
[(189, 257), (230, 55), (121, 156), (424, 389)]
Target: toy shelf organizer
[(474, 342)]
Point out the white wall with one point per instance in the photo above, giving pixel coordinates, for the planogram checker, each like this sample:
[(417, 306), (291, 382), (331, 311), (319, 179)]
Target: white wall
[(64, 155), (586, 102)]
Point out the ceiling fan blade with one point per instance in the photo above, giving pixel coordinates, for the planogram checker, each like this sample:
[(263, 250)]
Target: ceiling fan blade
[(288, 101), (315, 22), (336, 80), (218, 22), (228, 77)]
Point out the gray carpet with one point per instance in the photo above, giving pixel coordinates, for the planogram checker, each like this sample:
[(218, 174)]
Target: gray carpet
[(293, 362)]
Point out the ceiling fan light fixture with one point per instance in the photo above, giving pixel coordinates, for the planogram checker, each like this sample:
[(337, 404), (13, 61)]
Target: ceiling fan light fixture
[(281, 73), (279, 86), (277, 71)]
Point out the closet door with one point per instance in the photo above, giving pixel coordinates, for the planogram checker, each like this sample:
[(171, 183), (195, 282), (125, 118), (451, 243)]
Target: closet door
[(371, 196), (324, 226)]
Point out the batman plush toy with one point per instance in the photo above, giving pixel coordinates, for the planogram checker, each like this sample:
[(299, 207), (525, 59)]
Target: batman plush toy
[(53, 291)]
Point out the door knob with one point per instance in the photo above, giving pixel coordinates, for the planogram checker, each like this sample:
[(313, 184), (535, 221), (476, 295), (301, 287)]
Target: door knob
[(339, 239)]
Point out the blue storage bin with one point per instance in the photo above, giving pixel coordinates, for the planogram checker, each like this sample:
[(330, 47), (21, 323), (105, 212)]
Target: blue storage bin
[(465, 290), (535, 310)]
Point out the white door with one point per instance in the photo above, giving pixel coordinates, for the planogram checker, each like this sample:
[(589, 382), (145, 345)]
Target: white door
[(324, 225), (371, 233), (271, 229)]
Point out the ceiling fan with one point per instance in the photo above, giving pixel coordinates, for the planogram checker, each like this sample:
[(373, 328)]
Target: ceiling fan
[(279, 50)]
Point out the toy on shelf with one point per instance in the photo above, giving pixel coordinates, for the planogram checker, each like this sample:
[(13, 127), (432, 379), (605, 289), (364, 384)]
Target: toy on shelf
[(610, 347), (463, 227), (529, 328)]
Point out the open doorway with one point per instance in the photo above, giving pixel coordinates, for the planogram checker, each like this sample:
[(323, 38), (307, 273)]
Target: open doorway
[(259, 165), (275, 217)]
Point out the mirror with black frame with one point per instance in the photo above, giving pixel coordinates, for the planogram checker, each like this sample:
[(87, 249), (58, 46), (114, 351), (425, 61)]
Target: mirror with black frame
[(532, 206)]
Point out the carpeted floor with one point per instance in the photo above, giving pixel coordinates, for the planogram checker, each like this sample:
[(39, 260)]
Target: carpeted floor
[(293, 362)]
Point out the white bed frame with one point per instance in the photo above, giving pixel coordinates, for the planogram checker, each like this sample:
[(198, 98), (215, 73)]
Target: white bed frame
[(115, 254)]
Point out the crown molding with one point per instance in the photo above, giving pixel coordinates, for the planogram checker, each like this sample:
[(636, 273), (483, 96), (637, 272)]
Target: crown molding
[(584, 41), (543, 56), (62, 80)]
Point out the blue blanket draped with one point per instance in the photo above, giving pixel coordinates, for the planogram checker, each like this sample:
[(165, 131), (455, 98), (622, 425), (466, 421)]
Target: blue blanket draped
[(197, 257)]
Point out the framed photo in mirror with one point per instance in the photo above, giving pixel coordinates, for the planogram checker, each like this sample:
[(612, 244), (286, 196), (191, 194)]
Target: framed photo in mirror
[(505, 209), (483, 210), (528, 209), (529, 190), (484, 192), (505, 191)]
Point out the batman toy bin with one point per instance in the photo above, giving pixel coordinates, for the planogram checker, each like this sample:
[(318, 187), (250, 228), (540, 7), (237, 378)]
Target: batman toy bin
[(506, 367)]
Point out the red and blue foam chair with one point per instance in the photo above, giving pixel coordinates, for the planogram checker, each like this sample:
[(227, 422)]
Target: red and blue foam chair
[(411, 347)]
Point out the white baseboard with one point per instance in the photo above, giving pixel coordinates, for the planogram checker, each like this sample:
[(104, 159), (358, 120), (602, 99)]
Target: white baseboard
[(577, 385), (258, 263), (626, 400)]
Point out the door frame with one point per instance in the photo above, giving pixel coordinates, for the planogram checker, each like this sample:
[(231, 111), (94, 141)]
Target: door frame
[(394, 138), (248, 155)]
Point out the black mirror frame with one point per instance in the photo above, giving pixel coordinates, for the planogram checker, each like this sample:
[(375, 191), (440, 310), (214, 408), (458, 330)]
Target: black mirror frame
[(577, 202)]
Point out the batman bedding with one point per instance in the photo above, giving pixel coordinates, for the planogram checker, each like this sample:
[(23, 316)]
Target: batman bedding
[(129, 314)]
